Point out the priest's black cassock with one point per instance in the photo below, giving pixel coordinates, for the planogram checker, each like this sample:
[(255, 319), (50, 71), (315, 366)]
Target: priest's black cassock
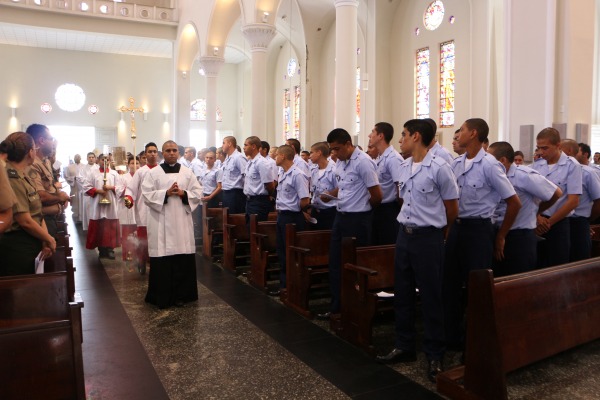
[(171, 244)]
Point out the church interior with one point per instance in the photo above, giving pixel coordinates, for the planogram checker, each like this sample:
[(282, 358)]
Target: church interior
[(197, 71)]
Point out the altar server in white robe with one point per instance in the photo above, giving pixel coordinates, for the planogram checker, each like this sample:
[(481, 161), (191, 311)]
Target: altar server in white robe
[(126, 215), (133, 193), (84, 200), (104, 231), (171, 193)]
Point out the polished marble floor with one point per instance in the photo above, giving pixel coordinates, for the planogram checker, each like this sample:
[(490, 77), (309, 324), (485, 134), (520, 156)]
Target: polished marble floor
[(237, 343)]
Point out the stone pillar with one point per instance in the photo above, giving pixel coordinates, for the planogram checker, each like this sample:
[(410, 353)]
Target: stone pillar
[(259, 36), (346, 12), (211, 66)]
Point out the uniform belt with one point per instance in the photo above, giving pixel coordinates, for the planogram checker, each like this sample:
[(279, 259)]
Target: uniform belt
[(258, 196), (473, 221), (415, 230), (288, 212), (327, 209), (353, 213)]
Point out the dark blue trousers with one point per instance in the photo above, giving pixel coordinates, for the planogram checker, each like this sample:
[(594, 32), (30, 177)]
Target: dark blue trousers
[(556, 247), (520, 253), (419, 264), (235, 200), (325, 218), (470, 246), (356, 225), (385, 223), (284, 218), (581, 238), (259, 205)]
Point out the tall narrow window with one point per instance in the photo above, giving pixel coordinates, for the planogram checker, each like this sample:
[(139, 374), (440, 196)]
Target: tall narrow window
[(287, 118), (447, 83), (297, 112), (422, 83), (358, 100)]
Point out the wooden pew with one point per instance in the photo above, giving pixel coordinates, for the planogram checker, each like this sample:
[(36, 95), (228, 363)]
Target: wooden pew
[(307, 254), (366, 271), (212, 229), (236, 240), (517, 320), (595, 240), (263, 251), (40, 339)]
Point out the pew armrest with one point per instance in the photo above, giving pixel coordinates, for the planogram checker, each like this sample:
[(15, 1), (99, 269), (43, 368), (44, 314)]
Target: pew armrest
[(360, 270), (301, 250)]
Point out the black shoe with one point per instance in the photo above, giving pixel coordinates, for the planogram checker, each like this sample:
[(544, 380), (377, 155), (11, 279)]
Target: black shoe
[(326, 316), (274, 292), (102, 252), (397, 355), (110, 254), (433, 369)]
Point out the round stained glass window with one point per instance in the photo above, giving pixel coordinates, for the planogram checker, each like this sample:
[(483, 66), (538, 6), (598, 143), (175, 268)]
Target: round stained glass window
[(434, 15), (69, 97)]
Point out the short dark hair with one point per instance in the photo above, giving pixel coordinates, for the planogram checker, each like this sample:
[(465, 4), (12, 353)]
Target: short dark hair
[(551, 134), (295, 143), (322, 147), (480, 126), (386, 129), (91, 153), (585, 148), (519, 153), (421, 126), (265, 145), (287, 151), (254, 140), (305, 152), (503, 149), (432, 123), (339, 135), (150, 144), (37, 131), (17, 145), (180, 148)]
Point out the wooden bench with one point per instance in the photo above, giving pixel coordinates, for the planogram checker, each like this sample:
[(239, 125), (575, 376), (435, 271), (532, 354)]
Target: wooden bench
[(366, 271), (517, 320), (595, 240), (236, 241), (263, 251), (307, 254), (212, 229), (59, 262), (40, 339)]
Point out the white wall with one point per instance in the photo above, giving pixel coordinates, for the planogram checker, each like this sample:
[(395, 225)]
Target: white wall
[(32, 75)]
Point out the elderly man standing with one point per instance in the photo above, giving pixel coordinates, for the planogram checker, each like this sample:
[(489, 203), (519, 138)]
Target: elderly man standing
[(171, 193)]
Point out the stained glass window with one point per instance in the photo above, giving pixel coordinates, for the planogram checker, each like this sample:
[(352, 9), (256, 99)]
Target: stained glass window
[(434, 15), (198, 111), (447, 83), (358, 100), (287, 120), (297, 112), (423, 83)]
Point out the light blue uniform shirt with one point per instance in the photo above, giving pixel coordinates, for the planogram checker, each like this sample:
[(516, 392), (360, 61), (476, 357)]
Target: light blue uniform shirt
[(208, 179), (302, 165), (441, 152), (388, 165), (354, 177), (590, 192), (291, 188), (258, 172), (424, 192), (194, 165), (481, 186), (233, 171), (531, 187), (566, 175), (322, 183)]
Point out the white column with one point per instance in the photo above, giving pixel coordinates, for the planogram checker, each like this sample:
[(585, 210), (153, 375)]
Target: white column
[(259, 36), (211, 66), (181, 131), (346, 12)]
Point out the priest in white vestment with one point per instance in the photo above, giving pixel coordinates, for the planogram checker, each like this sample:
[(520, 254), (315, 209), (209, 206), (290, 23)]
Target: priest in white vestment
[(171, 193)]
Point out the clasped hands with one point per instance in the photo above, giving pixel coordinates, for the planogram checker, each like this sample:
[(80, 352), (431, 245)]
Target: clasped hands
[(175, 191)]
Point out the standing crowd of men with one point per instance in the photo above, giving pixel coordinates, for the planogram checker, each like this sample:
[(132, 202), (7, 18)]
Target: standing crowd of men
[(446, 215)]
